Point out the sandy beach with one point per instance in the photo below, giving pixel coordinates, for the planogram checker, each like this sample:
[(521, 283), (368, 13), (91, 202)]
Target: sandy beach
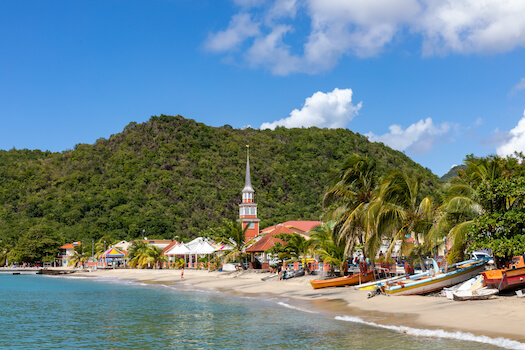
[(501, 316)]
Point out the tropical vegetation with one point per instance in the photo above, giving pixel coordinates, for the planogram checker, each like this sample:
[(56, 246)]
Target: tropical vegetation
[(172, 178)]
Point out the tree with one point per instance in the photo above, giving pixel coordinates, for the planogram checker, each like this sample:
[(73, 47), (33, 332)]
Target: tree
[(328, 246), (482, 206), (350, 196), (399, 212), (233, 234), (501, 227), (137, 254), (4, 251), (295, 246), (458, 210), (39, 243)]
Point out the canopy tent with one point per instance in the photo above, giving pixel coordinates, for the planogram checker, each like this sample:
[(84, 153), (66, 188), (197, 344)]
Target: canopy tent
[(203, 248), (113, 253), (178, 249)]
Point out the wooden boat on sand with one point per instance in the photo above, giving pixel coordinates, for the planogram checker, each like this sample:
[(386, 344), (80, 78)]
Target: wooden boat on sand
[(511, 277), (478, 294), (436, 278), (344, 281)]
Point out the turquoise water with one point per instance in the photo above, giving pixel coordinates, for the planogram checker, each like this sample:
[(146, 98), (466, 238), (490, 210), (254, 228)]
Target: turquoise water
[(39, 312)]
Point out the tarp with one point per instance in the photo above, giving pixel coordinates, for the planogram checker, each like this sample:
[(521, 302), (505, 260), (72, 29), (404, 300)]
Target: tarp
[(112, 253)]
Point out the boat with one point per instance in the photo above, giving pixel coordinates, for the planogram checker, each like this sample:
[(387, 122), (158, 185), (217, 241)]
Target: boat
[(511, 277), (469, 285), (436, 278), (344, 281), (293, 273), (478, 294)]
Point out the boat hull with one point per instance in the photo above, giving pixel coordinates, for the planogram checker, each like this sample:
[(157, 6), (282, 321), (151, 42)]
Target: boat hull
[(505, 279), (344, 281), (439, 281)]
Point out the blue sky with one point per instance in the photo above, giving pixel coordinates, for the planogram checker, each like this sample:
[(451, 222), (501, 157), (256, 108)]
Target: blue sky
[(436, 80)]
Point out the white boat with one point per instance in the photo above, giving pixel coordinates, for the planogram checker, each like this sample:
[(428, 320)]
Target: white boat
[(436, 278), (478, 294), (469, 285)]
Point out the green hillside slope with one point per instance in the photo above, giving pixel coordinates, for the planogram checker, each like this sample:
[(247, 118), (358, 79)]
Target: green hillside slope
[(174, 177)]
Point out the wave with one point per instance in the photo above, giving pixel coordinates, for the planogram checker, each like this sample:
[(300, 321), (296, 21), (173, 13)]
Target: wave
[(295, 308), (439, 333)]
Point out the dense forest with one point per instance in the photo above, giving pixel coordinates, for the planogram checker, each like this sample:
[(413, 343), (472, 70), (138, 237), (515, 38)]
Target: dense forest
[(175, 178)]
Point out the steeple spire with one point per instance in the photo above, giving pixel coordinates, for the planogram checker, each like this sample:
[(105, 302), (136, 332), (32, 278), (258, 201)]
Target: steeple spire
[(248, 180), (248, 207)]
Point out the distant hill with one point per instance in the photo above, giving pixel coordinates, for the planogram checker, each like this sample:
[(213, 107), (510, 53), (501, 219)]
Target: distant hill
[(453, 172), (173, 177)]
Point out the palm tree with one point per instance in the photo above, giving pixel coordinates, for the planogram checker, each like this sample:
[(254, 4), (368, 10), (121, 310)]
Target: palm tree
[(348, 200), (328, 246), (136, 254), (460, 207), (233, 234), (398, 212), (102, 244), (4, 251), (458, 211), (78, 257), (296, 246)]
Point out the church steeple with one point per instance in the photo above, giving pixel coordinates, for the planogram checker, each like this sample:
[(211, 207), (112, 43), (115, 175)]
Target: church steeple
[(247, 180), (248, 207)]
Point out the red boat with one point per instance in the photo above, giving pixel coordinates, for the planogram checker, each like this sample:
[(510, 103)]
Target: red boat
[(510, 277)]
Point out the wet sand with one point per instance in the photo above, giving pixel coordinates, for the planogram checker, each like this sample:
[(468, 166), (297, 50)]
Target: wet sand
[(500, 316)]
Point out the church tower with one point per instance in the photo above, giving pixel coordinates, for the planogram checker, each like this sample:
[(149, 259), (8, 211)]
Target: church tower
[(248, 207)]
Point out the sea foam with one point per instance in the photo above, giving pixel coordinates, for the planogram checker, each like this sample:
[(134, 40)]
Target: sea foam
[(439, 333), (295, 308)]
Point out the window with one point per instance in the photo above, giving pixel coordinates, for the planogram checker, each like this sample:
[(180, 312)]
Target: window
[(252, 226)]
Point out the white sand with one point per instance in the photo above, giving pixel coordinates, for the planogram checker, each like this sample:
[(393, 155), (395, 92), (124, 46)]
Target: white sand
[(501, 316)]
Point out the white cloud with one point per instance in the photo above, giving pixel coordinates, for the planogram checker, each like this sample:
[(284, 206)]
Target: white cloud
[(331, 110), (515, 141), (471, 26), (271, 52), (418, 138), (363, 28), (241, 27), (519, 86)]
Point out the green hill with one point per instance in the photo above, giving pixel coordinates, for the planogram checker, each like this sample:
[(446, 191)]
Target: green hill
[(453, 172), (174, 177)]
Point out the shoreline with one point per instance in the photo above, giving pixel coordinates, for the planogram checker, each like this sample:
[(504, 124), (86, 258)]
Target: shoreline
[(498, 317)]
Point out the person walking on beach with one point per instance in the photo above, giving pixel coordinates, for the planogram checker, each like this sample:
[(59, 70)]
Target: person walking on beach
[(182, 273)]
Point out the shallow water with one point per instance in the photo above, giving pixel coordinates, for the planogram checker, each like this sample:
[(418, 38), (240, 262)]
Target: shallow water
[(39, 312)]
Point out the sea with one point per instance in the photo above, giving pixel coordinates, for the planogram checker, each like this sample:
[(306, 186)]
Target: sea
[(44, 312)]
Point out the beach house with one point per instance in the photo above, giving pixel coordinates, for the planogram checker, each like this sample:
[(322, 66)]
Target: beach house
[(66, 251)]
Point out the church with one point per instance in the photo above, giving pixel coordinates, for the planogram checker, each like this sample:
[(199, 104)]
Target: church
[(265, 239)]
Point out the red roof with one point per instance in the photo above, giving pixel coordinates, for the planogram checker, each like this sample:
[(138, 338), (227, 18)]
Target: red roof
[(304, 226), (70, 245), (269, 240)]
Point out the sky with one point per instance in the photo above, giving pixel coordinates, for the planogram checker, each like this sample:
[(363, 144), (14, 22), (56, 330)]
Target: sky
[(437, 80)]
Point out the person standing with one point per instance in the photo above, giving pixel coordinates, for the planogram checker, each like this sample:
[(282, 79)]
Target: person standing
[(182, 273)]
